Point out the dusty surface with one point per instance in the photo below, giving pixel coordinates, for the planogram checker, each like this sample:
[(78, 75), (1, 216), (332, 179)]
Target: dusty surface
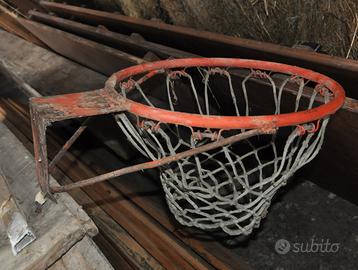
[(320, 227), (85, 255)]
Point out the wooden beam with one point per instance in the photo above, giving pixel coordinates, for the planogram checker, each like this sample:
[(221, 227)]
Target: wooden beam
[(24, 6), (98, 57), (102, 35), (9, 22)]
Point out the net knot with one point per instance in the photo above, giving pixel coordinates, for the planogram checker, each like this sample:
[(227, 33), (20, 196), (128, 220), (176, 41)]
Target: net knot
[(323, 90), (207, 134), (259, 74), (296, 79), (148, 125), (217, 70), (309, 128), (176, 74), (128, 85)]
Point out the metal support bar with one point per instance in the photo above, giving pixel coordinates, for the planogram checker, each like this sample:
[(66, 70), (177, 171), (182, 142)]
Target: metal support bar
[(38, 126), (163, 161), (68, 144)]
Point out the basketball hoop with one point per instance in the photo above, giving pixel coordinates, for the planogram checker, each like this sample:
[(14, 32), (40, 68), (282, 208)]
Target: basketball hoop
[(222, 157)]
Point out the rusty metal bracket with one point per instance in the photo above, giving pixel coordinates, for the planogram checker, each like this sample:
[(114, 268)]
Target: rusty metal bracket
[(47, 110)]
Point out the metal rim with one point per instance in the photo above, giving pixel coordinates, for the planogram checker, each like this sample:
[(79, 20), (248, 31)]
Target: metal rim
[(232, 122)]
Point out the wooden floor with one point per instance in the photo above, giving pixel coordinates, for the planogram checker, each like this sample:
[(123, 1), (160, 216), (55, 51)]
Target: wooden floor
[(135, 205)]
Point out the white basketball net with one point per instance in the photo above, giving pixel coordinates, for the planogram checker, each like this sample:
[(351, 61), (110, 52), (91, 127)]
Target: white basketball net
[(230, 187)]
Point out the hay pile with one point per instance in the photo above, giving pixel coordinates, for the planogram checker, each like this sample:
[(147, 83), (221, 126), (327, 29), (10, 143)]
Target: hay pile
[(331, 23)]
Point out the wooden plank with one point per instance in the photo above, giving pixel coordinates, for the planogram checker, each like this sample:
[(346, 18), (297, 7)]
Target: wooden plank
[(116, 237), (84, 255), (104, 36), (9, 22), (58, 226), (98, 57), (117, 260), (216, 45), (24, 6)]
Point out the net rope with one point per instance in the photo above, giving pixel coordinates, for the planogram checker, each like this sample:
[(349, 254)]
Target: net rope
[(231, 187)]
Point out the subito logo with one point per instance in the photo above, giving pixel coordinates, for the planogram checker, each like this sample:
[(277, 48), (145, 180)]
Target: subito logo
[(282, 246)]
